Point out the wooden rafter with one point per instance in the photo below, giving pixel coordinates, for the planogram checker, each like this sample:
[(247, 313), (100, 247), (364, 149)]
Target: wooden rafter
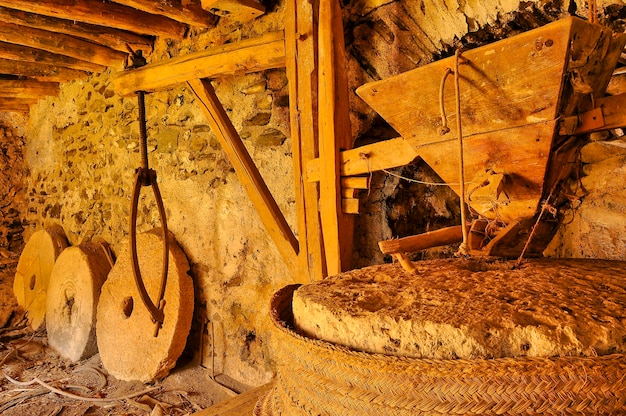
[(113, 38), (61, 44), (26, 54), (257, 54), (17, 104), (40, 72), (27, 89), (101, 13), (191, 12)]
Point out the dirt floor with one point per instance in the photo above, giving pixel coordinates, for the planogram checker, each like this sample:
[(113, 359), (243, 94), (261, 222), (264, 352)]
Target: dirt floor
[(35, 380)]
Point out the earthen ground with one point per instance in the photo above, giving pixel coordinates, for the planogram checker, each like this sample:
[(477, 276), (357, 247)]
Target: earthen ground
[(187, 390)]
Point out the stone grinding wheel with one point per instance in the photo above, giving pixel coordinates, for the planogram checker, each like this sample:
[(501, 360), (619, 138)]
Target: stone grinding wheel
[(34, 267), (125, 331), (73, 293)]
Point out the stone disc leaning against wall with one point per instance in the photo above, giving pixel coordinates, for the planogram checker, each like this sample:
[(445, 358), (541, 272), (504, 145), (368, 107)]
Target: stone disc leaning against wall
[(125, 331), (73, 293), (34, 267)]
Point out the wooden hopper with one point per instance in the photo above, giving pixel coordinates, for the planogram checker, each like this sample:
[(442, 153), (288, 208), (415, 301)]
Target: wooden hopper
[(520, 104)]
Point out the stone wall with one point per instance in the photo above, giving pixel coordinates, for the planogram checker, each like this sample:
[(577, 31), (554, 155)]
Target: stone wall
[(81, 149)]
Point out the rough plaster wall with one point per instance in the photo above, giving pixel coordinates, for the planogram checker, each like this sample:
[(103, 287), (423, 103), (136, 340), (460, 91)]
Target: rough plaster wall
[(82, 149)]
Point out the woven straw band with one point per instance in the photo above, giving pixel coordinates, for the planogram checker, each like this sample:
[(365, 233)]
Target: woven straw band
[(319, 378)]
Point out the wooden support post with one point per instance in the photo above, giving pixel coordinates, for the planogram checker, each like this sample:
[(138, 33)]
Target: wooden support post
[(301, 50), (335, 135), (247, 172), (250, 55)]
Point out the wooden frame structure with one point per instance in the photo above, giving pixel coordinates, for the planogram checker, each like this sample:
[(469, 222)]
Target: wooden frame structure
[(309, 50)]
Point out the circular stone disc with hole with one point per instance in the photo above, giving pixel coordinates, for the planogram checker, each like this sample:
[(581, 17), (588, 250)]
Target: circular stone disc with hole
[(125, 331), (73, 293), (33, 272)]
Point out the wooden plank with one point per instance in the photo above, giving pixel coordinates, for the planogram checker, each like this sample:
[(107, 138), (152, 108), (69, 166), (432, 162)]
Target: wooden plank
[(369, 158), (26, 54), (335, 134), (113, 38), (27, 88), (40, 72), (257, 54), (107, 14), (62, 44), (441, 237), (350, 205), (520, 153), (356, 182), (247, 172), (240, 405), (348, 193), (301, 50), (189, 12), (240, 10)]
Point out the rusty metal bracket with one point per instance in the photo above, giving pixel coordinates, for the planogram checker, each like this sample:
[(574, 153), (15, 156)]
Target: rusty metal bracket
[(582, 123)]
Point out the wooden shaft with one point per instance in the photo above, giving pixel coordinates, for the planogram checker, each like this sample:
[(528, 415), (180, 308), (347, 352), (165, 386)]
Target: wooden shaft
[(441, 237)]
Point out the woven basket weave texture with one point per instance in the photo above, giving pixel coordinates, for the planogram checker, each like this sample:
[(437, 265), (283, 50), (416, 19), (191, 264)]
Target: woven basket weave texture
[(319, 378)]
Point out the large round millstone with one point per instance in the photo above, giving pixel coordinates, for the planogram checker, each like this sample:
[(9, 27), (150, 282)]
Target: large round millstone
[(34, 267), (471, 308), (73, 293), (126, 342)]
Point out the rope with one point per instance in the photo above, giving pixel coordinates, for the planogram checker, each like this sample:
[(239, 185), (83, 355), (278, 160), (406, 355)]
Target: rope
[(464, 248), (444, 120)]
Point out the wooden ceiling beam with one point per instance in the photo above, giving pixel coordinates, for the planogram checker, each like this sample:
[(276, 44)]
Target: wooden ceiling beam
[(26, 54), (98, 12), (27, 88), (14, 107), (250, 55), (113, 38), (40, 72), (192, 13), (62, 45)]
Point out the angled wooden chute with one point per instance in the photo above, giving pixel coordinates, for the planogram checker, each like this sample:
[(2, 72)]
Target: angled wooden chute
[(517, 97)]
